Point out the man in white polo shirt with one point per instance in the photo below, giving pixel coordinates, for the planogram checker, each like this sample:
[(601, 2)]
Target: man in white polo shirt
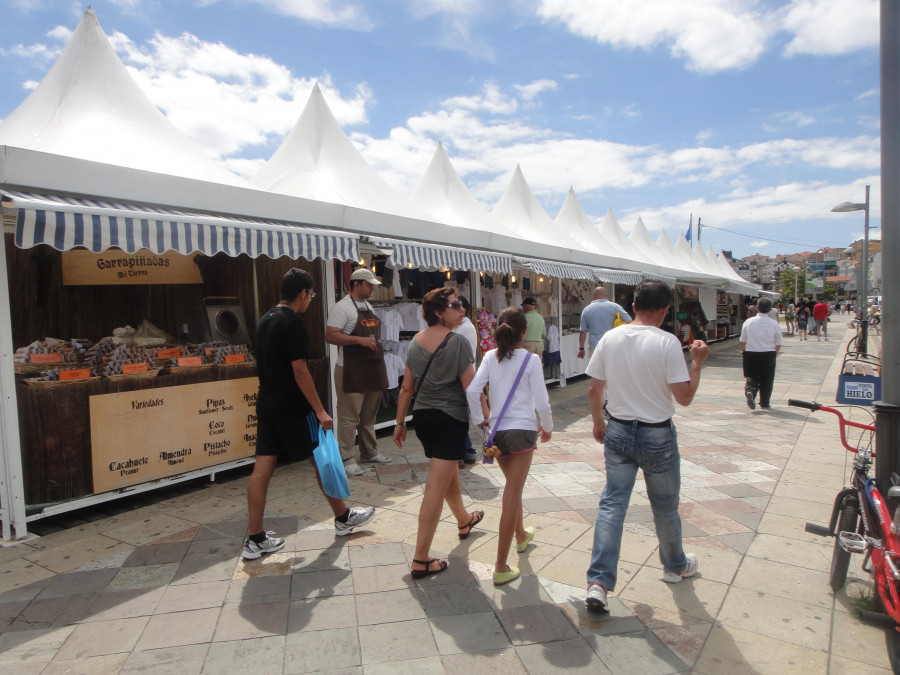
[(761, 340)]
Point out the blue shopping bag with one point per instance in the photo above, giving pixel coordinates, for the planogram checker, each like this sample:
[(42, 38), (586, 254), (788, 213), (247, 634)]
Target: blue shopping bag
[(331, 467)]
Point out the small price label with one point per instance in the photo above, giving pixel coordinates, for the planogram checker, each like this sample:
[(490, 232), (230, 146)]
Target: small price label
[(129, 368), (46, 358), (209, 351), (74, 374), (190, 361), (235, 358), (172, 353)]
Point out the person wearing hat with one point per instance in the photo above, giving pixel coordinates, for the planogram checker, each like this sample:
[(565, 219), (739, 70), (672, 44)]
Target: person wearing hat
[(536, 332), (360, 375)]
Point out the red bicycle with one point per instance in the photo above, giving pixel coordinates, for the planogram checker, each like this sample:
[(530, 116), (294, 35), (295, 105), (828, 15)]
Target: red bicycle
[(861, 521)]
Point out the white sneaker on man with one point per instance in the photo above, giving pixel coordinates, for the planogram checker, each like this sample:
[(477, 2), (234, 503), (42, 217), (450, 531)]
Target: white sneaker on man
[(692, 567), (357, 517), (353, 469), (596, 598), (377, 459)]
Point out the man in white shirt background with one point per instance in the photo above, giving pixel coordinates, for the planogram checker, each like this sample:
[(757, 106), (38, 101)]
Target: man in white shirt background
[(761, 341), (467, 329)]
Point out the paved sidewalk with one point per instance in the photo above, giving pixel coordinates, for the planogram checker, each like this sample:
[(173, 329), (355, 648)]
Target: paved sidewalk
[(155, 583)]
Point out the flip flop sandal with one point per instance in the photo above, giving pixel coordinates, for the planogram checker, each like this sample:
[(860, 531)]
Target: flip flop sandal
[(421, 574), (477, 517)]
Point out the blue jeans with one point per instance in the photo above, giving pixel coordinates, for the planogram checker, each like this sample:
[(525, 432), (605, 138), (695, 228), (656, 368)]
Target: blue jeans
[(655, 451)]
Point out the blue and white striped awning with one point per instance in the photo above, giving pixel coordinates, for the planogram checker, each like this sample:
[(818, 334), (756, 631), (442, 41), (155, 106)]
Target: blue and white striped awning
[(617, 276), (558, 270), (66, 222), (434, 256)]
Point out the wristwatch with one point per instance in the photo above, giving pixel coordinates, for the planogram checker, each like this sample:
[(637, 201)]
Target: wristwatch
[(402, 425), (581, 349)]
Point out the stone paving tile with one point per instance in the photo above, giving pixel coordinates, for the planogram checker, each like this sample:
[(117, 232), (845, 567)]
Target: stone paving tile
[(102, 637), (186, 660), (570, 656), (177, 560)]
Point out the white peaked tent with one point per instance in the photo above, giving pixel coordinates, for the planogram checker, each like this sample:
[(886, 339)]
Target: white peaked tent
[(611, 235), (89, 107), (317, 161), (524, 217), (640, 237), (573, 220), (685, 258), (444, 196)]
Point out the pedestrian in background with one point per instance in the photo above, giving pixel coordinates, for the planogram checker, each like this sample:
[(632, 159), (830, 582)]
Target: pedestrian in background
[(761, 340), (537, 330), (467, 329), (517, 389), (596, 319)]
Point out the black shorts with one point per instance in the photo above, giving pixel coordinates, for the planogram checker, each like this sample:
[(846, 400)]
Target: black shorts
[(294, 436), (442, 436), (514, 441)]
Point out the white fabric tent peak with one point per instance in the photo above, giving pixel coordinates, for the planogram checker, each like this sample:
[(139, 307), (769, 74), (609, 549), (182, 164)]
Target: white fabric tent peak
[(443, 195), (574, 221), (523, 216), (89, 107), (317, 161)]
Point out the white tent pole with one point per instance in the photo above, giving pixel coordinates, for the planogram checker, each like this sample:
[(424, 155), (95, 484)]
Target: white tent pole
[(12, 483), (328, 300)]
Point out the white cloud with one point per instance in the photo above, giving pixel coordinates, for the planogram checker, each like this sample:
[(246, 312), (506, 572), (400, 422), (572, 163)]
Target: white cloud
[(831, 26), (718, 35), (530, 91), (759, 244), (791, 119), (334, 13), (711, 35), (226, 101)]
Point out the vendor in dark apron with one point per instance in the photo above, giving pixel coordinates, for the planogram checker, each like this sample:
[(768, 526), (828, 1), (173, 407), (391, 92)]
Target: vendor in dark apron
[(364, 368), (360, 376)]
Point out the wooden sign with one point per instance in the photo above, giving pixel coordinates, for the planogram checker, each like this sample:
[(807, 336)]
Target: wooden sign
[(144, 435), (45, 358), (75, 374), (115, 268), (190, 361)]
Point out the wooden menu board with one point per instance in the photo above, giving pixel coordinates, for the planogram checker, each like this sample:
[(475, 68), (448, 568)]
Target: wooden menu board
[(115, 268), (144, 435)]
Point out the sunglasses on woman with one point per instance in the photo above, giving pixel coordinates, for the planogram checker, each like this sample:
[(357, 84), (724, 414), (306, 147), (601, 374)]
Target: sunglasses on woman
[(456, 304)]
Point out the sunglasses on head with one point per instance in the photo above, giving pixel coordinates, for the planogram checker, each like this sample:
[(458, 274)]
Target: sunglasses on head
[(456, 304)]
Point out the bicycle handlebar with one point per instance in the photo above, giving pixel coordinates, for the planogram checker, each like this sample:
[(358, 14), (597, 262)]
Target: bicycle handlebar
[(815, 407), (804, 404)]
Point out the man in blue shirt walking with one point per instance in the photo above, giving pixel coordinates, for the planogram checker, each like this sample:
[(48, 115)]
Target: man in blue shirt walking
[(597, 318)]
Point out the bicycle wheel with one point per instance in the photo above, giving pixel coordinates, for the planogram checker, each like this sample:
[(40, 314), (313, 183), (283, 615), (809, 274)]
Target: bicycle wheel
[(840, 559)]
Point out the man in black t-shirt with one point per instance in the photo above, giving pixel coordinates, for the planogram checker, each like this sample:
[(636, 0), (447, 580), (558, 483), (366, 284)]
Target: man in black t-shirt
[(288, 411)]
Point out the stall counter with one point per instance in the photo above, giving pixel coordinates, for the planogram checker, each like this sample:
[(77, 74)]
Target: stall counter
[(571, 365)]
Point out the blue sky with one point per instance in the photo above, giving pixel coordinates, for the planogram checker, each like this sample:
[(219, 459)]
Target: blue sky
[(755, 115)]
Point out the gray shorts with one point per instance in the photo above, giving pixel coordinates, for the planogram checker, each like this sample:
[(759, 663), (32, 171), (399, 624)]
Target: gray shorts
[(513, 441)]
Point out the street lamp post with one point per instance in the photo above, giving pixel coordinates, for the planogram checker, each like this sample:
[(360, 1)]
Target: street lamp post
[(845, 207)]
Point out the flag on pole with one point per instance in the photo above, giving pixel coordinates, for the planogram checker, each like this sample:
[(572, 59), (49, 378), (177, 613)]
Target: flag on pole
[(687, 235)]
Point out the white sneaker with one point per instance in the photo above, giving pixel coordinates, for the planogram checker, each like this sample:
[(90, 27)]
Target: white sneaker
[(692, 567), (252, 550), (358, 517), (596, 598), (377, 459), (353, 469)]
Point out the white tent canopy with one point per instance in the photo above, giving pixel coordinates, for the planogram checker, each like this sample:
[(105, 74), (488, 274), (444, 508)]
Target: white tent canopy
[(89, 107), (317, 161)]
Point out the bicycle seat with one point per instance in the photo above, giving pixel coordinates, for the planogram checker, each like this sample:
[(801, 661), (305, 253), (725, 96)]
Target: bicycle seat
[(894, 492)]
